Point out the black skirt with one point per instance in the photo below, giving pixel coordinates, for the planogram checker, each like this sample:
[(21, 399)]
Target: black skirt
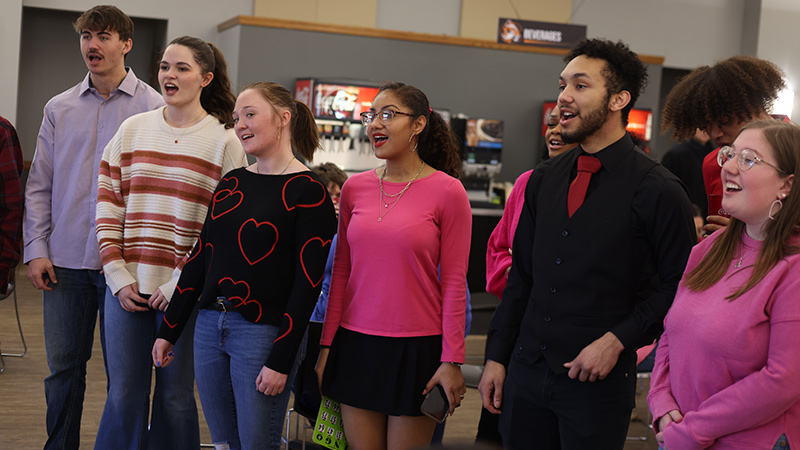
[(383, 374)]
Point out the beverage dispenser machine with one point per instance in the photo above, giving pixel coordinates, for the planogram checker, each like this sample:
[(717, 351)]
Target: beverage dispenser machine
[(337, 108), (482, 147)]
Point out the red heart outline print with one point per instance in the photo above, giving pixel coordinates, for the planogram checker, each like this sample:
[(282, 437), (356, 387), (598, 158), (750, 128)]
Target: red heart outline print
[(242, 301), (198, 247), (223, 195), (291, 325), (181, 291), (253, 262), (210, 259), (235, 283), (323, 190), (303, 262)]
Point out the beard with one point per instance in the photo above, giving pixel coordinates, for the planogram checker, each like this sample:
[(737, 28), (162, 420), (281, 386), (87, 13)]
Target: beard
[(590, 123)]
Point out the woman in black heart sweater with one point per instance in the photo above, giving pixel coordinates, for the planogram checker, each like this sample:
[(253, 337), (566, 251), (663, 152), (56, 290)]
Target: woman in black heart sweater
[(255, 273)]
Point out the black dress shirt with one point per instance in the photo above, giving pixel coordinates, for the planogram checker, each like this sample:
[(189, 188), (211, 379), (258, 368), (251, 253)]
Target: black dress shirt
[(685, 160)]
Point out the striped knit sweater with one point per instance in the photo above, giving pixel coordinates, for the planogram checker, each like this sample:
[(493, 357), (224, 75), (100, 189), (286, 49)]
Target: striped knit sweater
[(154, 188)]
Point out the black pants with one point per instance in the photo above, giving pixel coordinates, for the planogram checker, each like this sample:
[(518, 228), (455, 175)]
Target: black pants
[(549, 411)]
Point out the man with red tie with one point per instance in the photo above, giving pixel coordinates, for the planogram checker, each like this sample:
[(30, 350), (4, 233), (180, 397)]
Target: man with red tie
[(602, 241)]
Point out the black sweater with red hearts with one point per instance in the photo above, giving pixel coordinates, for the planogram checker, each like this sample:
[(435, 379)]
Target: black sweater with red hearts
[(263, 246)]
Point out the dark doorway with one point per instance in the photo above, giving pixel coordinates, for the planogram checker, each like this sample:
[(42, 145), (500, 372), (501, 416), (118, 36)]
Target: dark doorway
[(50, 62)]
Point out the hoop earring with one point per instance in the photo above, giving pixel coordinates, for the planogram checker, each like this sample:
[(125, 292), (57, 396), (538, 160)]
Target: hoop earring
[(280, 128), (415, 144), (780, 206)]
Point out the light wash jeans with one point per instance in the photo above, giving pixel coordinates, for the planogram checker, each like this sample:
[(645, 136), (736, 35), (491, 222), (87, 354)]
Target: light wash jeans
[(70, 313), (173, 424), (229, 354)]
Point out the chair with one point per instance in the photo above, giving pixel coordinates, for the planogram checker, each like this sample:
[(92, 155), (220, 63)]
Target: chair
[(306, 389), (13, 291), (647, 420)]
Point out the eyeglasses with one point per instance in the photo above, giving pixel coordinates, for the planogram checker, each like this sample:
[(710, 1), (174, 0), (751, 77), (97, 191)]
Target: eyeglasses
[(745, 158), (384, 116)]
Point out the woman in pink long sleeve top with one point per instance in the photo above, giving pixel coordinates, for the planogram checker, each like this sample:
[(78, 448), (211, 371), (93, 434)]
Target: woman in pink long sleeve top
[(498, 251), (728, 364), (394, 329)]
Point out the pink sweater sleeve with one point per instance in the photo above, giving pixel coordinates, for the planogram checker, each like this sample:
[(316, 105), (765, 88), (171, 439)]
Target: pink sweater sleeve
[(456, 226), (660, 397), (498, 251)]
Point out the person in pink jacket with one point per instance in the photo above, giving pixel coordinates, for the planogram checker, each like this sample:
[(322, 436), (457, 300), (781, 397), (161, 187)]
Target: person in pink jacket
[(498, 251), (728, 364)]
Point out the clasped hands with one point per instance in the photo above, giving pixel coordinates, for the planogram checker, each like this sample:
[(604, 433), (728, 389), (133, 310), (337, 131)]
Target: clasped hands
[(593, 363)]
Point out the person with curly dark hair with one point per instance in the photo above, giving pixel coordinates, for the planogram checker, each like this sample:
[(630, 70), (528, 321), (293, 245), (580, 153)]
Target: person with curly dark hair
[(333, 178), (721, 99), (394, 325), (602, 240)]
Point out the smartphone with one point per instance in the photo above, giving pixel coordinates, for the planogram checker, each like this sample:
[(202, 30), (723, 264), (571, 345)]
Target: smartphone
[(435, 404)]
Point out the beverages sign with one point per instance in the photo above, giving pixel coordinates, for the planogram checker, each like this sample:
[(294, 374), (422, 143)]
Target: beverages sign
[(541, 34)]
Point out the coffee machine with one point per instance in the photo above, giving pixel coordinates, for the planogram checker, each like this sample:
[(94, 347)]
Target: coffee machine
[(481, 142)]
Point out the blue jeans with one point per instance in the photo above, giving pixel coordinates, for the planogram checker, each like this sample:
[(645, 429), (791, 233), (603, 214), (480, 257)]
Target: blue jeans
[(230, 352), (124, 424), (70, 313)]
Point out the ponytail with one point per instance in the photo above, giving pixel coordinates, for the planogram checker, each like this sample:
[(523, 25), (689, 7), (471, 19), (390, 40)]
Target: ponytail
[(438, 146), (305, 136)]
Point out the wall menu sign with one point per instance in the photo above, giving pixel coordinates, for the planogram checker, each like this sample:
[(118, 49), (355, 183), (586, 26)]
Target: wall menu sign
[(542, 34)]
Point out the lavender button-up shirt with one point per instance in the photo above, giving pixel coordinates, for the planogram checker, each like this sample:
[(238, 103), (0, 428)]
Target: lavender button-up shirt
[(61, 193)]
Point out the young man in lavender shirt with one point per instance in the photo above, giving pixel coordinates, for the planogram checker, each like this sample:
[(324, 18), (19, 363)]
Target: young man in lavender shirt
[(61, 247)]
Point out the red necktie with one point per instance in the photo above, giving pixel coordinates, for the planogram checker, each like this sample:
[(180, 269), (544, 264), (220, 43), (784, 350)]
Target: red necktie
[(587, 165)]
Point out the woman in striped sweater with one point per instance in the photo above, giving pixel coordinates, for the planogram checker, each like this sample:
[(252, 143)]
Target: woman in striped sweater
[(157, 177)]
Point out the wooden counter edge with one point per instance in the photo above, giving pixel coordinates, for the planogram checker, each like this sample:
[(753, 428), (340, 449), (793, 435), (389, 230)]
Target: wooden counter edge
[(399, 35)]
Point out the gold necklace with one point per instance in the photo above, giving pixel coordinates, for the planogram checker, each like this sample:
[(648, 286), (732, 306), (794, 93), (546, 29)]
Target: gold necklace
[(389, 206), (281, 172), (191, 122)]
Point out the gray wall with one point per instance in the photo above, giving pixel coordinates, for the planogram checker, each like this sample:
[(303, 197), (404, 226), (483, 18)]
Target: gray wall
[(51, 62), (478, 82)]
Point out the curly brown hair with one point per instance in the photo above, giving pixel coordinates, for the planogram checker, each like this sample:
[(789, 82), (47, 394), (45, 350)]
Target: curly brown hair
[(438, 146), (330, 173), (624, 71), (738, 88)]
